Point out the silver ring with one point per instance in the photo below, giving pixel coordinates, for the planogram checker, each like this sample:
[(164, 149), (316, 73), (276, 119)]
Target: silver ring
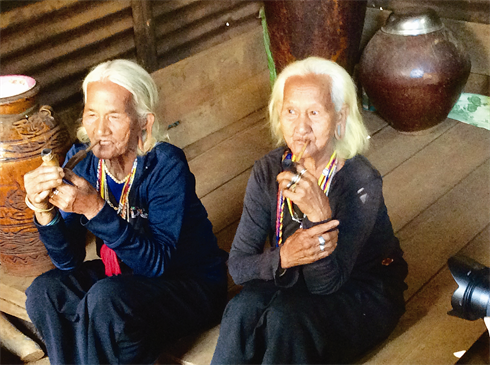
[(296, 178), (322, 242), (55, 192), (302, 172)]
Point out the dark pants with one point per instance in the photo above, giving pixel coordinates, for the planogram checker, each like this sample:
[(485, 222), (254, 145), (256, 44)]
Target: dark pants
[(268, 325), (88, 318)]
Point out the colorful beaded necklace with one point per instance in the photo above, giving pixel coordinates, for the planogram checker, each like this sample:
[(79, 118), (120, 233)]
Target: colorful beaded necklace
[(102, 186), (324, 182)]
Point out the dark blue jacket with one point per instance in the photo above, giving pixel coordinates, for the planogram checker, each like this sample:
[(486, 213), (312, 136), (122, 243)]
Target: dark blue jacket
[(168, 232)]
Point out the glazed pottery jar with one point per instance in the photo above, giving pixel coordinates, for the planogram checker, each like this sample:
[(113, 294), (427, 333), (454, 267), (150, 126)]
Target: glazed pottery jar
[(413, 70), (25, 130)]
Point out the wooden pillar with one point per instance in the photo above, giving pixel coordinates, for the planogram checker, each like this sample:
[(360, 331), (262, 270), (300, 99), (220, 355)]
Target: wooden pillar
[(144, 34), (327, 28)]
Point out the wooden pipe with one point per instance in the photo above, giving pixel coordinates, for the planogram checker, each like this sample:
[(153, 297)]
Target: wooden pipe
[(18, 343), (79, 156)]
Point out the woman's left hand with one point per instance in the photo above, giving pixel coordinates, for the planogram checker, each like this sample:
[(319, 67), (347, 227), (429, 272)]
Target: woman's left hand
[(306, 194), (80, 198)]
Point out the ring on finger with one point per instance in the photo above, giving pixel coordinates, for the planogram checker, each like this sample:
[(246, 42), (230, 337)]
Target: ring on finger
[(56, 192), (321, 240), (302, 172), (296, 178)]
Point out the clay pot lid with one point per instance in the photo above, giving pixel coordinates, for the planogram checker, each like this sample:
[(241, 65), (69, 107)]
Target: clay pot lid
[(413, 21), (13, 85)]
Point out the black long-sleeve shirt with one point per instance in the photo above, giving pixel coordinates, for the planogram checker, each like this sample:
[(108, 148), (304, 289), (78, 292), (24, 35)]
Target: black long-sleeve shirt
[(366, 237)]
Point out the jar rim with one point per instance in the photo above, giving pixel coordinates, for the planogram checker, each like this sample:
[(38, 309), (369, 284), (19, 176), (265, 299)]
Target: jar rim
[(412, 21), (13, 85)]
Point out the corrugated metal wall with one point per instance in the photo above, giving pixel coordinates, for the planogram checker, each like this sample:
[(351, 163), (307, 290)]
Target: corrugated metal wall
[(58, 41)]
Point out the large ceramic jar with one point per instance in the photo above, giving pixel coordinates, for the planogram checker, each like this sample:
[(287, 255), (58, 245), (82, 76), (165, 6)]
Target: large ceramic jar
[(413, 70), (328, 28), (25, 130)]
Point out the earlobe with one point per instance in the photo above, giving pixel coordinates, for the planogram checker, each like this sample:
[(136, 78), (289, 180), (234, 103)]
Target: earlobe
[(146, 130), (338, 131), (340, 128)]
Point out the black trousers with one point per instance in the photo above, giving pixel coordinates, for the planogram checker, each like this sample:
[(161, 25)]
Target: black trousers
[(88, 318), (264, 324)]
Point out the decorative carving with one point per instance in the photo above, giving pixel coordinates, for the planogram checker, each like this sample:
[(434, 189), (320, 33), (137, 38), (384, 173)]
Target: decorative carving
[(21, 142)]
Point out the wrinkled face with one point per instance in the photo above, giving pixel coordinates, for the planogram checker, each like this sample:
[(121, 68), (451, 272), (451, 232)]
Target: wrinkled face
[(308, 115), (109, 118)]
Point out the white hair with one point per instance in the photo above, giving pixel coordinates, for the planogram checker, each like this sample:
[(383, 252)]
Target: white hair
[(139, 83), (343, 92)]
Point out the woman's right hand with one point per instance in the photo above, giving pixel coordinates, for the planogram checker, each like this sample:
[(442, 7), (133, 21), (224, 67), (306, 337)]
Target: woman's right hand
[(303, 246), (40, 182)]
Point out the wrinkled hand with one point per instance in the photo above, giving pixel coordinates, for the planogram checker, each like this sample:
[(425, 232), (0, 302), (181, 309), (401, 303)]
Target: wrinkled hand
[(303, 246), (40, 182), (80, 198), (306, 194)]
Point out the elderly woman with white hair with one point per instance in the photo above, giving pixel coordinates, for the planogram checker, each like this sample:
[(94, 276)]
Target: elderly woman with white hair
[(162, 274), (329, 283)]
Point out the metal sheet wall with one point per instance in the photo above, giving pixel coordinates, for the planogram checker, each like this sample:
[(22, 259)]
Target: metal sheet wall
[(58, 41)]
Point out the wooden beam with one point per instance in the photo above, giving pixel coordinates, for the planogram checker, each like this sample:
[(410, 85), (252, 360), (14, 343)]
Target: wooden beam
[(144, 34)]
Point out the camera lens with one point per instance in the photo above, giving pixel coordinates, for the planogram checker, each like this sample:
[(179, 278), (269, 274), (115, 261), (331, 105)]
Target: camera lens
[(472, 298)]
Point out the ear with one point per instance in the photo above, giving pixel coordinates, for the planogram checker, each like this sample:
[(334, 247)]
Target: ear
[(341, 122), (146, 129)]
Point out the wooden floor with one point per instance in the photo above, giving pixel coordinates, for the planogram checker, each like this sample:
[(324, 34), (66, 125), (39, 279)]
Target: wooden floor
[(437, 189)]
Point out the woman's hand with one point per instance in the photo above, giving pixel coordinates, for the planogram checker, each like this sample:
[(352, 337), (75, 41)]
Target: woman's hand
[(40, 182), (306, 194), (80, 198), (303, 246)]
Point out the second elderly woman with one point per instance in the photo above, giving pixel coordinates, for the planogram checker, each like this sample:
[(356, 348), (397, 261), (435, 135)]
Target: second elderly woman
[(329, 285), (161, 275)]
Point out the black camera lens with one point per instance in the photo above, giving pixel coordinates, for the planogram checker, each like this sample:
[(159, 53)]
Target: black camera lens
[(472, 298)]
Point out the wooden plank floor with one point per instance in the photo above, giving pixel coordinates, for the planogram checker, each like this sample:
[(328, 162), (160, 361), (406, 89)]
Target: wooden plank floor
[(437, 189)]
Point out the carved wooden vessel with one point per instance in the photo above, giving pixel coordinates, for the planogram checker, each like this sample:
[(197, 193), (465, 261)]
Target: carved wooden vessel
[(329, 28), (24, 133)]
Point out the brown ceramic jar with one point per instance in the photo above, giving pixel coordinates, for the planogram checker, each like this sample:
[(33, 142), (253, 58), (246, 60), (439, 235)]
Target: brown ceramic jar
[(414, 70), (24, 133)]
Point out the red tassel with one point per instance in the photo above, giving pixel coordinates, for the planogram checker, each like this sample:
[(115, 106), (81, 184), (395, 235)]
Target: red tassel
[(110, 260)]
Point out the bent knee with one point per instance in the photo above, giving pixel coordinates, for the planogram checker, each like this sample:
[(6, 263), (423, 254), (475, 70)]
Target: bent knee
[(45, 290), (107, 293)]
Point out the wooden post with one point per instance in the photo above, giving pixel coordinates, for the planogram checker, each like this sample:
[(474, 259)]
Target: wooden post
[(18, 343), (144, 34)]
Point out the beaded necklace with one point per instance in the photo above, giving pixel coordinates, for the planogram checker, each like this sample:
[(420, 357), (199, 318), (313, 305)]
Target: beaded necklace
[(102, 186), (324, 182)]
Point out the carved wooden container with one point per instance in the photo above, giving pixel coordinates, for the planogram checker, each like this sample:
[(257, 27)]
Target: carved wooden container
[(329, 28), (23, 135)]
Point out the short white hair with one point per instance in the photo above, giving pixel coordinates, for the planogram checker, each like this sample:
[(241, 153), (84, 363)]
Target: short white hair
[(138, 82), (343, 91)]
